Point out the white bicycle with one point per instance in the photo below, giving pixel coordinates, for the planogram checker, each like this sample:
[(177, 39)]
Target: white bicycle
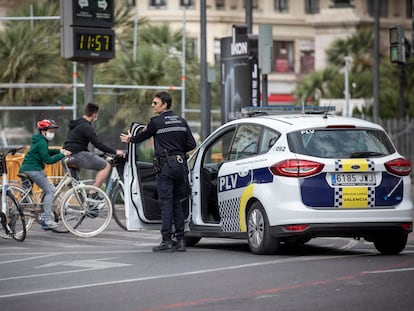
[(82, 209)]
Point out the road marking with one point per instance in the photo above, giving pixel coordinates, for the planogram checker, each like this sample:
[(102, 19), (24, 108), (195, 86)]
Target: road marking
[(94, 264), (27, 258), (87, 265), (388, 271), (173, 275)]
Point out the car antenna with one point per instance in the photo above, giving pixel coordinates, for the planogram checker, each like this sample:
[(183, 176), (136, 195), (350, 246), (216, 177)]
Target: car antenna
[(330, 108)]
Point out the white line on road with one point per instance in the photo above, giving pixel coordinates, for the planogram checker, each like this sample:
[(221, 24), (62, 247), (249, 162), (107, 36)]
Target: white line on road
[(27, 258), (101, 263), (173, 275), (388, 271)]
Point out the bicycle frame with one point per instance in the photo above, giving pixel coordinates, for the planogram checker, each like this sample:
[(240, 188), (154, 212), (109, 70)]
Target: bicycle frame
[(112, 180), (115, 189)]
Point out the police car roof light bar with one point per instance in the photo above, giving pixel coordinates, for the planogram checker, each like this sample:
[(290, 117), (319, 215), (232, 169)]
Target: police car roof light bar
[(286, 109)]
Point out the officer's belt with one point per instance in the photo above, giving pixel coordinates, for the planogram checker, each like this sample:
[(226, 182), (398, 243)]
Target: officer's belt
[(167, 159)]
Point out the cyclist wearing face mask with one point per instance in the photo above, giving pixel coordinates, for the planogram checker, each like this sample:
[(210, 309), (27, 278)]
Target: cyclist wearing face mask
[(34, 162)]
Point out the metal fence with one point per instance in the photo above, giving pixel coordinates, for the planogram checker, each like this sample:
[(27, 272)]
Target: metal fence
[(402, 135)]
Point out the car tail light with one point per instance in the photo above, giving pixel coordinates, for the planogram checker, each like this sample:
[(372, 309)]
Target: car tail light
[(296, 228), (400, 166), (407, 226), (296, 168)]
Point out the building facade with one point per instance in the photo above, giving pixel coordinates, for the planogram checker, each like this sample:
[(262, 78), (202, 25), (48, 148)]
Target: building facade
[(302, 29)]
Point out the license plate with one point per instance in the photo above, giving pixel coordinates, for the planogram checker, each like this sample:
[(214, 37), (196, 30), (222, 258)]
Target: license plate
[(351, 179)]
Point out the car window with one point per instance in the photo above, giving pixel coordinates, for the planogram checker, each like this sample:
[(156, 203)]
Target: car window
[(343, 143), (145, 150), (218, 151), (246, 141), (269, 138)]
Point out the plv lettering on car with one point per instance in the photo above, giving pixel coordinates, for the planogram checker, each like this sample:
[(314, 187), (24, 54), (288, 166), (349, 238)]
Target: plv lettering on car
[(228, 182)]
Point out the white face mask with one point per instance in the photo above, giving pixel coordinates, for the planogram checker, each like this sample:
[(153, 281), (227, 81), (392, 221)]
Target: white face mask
[(49, 135)]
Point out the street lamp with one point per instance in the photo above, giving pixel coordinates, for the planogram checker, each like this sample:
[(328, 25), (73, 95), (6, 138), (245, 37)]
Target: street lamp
[(346, 111), (185, 4)]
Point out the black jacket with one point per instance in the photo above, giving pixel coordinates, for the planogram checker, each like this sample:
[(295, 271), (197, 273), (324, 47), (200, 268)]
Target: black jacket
[(171, 133), (80, 134)]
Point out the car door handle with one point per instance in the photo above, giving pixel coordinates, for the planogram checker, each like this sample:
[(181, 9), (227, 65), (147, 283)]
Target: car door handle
[(244, 172)]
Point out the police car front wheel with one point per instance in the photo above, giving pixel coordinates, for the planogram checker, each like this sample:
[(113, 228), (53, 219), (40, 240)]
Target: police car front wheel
[(258, 231)]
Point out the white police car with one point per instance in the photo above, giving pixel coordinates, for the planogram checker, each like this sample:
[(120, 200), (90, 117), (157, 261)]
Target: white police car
[(274, 179)]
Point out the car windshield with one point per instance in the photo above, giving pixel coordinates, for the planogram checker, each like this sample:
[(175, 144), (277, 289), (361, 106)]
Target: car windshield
[(340, 143)]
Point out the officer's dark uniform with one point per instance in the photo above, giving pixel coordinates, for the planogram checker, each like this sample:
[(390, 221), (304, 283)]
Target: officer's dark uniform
[(172, 140)]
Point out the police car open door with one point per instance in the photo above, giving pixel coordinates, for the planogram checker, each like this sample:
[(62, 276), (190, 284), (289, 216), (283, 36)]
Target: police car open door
[(141, 197)]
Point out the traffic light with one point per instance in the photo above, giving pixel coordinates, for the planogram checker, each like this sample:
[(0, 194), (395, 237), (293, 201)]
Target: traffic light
[(400, 48)]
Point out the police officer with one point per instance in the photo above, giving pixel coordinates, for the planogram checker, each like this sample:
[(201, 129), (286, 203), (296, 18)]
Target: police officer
[(172, 140)]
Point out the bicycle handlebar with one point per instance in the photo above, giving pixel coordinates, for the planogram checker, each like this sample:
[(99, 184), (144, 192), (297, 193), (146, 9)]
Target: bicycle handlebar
[(113, 159), (14, 150)]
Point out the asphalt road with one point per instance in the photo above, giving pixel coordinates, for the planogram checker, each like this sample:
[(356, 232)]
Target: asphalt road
[(117, 270)]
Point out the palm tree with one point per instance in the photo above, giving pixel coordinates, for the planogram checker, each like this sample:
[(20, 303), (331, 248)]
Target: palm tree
[(30, 54), (329, 83), (158, 62)]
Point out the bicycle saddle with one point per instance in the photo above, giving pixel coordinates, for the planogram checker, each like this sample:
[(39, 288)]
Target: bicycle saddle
[(72, 163), (22, 175)]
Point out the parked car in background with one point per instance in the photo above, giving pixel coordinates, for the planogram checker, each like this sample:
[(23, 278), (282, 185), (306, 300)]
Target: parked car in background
[(285, 178)]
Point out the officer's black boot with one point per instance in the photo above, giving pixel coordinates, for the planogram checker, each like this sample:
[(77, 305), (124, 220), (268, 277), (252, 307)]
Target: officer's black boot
[(179, 246), (164, 247)]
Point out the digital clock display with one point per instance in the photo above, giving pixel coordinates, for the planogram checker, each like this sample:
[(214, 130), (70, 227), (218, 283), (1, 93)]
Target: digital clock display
[(96, 43)]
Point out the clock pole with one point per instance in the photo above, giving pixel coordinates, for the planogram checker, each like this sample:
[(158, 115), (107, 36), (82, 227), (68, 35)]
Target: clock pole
[(87, 35)]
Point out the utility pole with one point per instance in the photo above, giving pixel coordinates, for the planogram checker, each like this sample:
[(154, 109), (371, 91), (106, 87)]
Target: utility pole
[(205, 118), (376, 63), (249, 15), (347, 109)]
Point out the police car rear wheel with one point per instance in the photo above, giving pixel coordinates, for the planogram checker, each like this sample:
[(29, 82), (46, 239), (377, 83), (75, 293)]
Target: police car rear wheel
[(258, 231), (391, 243)]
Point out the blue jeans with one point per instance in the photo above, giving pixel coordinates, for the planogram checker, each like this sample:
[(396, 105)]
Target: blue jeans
[(172, 186), (40, 179)]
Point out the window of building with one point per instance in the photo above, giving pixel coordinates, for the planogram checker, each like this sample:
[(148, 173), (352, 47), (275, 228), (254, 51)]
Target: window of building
[(409, 4), (220, 4), (307, 57), (382, 6), (281, 6), (283, 53), (157, 3), (311, 6), (186, 3)]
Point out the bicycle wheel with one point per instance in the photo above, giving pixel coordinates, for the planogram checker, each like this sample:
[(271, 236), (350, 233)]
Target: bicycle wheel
[(26, 203), (84, 214), (118, 205), (15, 223)]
